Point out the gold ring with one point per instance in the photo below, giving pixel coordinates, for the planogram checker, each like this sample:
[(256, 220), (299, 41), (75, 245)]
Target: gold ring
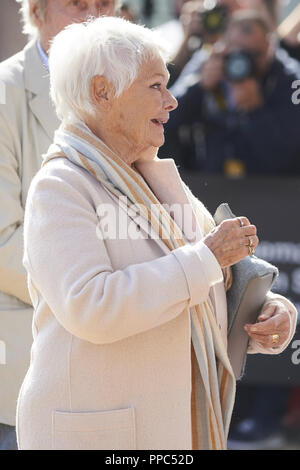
[(241, 222), (275, 338), (250, 240), (251, 250)]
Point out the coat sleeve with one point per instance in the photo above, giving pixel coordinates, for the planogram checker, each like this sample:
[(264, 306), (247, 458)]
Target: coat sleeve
[(71, 268), (13, 279)]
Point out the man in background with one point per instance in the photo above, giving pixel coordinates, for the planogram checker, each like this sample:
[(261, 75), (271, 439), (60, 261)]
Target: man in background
[(27, 125)]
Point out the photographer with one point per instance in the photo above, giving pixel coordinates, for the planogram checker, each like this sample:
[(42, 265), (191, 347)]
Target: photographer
[(238, 117), (201, 26)]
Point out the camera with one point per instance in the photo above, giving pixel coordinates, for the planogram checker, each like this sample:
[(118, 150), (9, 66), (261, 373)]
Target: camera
[(239, 65), (215, 20)]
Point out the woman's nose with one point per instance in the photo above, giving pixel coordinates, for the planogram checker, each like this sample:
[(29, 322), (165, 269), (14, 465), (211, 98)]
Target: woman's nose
[(171, 102)]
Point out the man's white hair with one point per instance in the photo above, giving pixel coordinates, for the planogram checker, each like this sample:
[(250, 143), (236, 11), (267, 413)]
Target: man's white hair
[(28, 25), (107, 46)]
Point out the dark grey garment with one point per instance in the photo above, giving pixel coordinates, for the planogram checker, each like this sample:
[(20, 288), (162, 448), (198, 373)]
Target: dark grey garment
[(8, 438)]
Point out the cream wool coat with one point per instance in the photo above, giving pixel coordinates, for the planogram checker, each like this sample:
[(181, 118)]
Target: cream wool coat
[(111, 358), (27, 125)]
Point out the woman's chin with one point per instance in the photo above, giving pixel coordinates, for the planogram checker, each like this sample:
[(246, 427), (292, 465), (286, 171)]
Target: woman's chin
[(159, 142)]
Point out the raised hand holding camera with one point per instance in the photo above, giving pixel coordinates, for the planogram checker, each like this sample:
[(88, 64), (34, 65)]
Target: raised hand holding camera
[(246, 94), (212, 71)]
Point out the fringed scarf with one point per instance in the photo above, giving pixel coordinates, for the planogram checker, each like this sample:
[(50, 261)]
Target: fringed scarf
[(214, 402)]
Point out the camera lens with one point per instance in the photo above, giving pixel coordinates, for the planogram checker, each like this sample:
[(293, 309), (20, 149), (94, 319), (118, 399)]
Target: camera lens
[(239, 65), (215, 20)]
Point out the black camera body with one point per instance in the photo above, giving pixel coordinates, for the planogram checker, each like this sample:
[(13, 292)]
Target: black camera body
[(240, 65), (215, 20)]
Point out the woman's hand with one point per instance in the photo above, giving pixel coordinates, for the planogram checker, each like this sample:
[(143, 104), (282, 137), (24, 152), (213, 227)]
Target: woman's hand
[(230, 241), (273, 326)]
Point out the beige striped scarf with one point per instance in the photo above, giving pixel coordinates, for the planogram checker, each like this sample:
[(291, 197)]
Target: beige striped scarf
[(212, 402)]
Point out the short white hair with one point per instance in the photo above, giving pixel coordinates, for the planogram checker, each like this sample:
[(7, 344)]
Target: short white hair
[(28, 25), (107, 46)]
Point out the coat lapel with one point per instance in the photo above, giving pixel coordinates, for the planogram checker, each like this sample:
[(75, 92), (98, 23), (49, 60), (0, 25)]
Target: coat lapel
[(37, 83)]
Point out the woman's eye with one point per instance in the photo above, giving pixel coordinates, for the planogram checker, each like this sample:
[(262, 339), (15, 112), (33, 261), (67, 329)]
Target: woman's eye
[(156, 85)]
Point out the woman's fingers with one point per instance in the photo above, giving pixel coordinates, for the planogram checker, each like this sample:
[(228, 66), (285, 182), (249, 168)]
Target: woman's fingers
[(249, 241), (245, 235), (249, 230), (273, 327), (266, 341), (243, 221), (267, 312), (232, 240), (249, 236)]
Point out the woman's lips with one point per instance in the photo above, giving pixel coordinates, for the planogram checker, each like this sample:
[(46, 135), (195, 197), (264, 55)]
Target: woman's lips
[(159, 122)]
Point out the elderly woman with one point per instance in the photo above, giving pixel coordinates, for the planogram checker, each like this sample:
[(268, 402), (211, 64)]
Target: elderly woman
[(129, 328)]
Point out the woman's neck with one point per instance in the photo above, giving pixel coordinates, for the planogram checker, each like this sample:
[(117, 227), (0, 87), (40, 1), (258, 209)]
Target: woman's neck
[(128, 151)]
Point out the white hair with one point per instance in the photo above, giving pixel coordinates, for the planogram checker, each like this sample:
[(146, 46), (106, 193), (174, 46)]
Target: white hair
[(107, 46), (28, 25)]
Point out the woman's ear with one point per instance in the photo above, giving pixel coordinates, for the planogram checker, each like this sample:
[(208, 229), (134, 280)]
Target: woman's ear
[(101, 91)]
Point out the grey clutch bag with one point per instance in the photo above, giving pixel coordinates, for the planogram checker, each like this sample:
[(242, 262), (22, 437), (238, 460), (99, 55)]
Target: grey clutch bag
[(252, 278)]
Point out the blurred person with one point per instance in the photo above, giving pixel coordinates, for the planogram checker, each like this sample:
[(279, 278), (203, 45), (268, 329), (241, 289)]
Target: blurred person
[(112, 366), (201, 26), (189, 39), (289, 33), (27, 123), (237, 117), (269, 10), (126, 12), (172, 31)]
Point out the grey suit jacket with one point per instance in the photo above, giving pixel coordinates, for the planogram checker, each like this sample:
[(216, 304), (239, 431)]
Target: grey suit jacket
[(27, 125)]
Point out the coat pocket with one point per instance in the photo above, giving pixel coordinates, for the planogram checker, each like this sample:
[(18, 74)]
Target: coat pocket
[(99, 430)]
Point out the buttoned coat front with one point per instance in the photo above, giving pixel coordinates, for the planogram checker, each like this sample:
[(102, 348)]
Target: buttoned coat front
[(111, 359)]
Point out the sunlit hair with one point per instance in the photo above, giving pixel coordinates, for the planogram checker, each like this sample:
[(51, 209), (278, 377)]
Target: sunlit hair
[(107, 46)]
